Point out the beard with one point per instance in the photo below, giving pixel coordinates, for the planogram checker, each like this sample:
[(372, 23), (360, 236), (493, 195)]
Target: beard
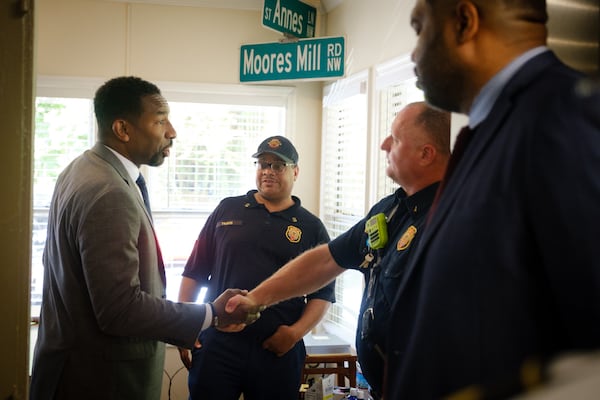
[(156, 160), (440, 75), (159, 157), (443, 86)]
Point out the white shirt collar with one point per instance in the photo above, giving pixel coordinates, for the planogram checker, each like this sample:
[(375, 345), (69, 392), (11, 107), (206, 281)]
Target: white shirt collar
[(132, 169)]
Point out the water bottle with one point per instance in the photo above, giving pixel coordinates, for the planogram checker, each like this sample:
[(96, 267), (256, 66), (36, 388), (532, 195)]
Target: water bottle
[(353, 394), (361, 382)]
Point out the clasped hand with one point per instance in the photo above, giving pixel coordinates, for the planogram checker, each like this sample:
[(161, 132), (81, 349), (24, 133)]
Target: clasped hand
[(228, 319), (231, 318)]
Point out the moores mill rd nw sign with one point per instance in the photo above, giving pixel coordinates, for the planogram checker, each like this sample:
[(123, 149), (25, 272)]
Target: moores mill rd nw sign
[(305, 59), (290, 16)]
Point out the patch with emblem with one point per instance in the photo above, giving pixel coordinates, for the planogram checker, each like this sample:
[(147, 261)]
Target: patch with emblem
[(293, 234), (406, 238), (274, 143)]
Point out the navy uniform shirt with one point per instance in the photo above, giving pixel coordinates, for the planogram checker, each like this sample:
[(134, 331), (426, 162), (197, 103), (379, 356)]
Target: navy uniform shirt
[(408, 218), (242, 244)]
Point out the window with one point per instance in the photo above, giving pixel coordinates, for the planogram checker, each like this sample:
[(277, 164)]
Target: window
[(64, 128), (344, 174), (354, 167), (218, 129), (211, 159), (395, 86)]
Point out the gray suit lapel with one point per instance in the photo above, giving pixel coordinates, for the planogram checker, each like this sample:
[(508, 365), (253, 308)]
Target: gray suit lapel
[(101, 151)]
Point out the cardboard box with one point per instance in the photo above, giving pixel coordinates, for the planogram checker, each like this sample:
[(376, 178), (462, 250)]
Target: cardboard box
[(321, 389)]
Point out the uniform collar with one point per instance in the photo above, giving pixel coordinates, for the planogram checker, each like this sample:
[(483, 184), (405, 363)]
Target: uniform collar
[(289, 213), (419, 202)]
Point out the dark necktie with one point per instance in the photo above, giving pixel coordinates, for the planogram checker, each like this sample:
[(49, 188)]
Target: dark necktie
[(462, 141), (141, 182)]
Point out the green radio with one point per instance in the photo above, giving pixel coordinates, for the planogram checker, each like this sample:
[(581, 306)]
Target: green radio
[(376, 230)]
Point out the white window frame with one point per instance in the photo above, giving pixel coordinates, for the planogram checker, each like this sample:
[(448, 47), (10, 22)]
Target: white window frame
[(233, 94), (396, 72), (373, 84), (342, 317)]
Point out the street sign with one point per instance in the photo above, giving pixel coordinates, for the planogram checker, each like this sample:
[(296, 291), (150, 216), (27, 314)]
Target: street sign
[(306, 59), (290, 16)]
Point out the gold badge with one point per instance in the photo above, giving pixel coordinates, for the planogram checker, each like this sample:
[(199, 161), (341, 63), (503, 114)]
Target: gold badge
[(274, 143), (293, 234), (406, 238)]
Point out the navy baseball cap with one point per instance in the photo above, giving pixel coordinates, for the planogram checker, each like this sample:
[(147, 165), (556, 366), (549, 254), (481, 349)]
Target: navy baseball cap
[(279, 146)]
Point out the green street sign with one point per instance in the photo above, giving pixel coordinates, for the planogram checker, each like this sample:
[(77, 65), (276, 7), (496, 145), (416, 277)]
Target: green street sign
[(290, 16), (320, 58)]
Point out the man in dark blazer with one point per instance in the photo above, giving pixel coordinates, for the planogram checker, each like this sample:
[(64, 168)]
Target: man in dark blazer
[(508, 273), (104, 309)]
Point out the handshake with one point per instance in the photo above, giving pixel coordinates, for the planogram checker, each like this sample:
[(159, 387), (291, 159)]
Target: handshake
[(234, 309)]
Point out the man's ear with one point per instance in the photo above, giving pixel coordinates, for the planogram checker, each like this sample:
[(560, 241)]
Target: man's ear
[(428, 153), (467, 21), (119, 128)]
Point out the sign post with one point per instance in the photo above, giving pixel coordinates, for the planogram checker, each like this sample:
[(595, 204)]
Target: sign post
[(290, 16), (306, 59)]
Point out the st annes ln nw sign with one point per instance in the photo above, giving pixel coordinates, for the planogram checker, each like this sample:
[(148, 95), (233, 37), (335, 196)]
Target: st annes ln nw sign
[(290, 16)]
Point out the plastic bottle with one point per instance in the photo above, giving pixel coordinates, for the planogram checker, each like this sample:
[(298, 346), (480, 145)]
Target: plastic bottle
[(361, 394), (361, 382), (353, 394)]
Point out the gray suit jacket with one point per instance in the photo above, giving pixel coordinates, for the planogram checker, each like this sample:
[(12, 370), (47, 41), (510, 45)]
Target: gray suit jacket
[(103, 309)]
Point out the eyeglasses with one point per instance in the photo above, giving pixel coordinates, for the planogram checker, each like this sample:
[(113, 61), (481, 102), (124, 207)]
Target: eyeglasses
[(275, 166)]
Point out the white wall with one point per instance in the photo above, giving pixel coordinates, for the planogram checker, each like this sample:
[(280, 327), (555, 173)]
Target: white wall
[(103, 39), (176, 374), (376, 31)]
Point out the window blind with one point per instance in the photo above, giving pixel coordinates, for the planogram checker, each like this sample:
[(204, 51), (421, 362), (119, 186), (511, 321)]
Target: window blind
[(344, 169), (395, 84)]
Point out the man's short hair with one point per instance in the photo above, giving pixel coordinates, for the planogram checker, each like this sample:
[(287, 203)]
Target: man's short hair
[(530, 10), (437, 125), (121, 98)]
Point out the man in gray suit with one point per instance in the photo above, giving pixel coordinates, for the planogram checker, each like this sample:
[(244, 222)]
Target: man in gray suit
[(104, 309)]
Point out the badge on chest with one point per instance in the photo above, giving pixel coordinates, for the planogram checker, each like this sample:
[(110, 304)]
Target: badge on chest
[(406, 238), (293, 234)]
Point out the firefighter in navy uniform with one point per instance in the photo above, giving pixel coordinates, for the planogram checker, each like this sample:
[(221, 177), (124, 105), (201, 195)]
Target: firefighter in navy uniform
[(244, 241), (383, 262)]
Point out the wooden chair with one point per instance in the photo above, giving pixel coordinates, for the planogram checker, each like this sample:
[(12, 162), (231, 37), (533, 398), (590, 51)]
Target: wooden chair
[(344, 366)]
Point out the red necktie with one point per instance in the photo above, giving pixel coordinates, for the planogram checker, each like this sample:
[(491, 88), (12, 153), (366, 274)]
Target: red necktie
[(462, 141)]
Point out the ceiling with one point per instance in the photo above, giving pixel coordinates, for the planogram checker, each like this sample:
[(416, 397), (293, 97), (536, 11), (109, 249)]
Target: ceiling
[(573, 25), (323, 6), (573, 32)]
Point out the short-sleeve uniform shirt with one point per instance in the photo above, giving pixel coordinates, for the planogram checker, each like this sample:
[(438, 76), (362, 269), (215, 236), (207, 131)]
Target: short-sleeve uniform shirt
[(242, 244)]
